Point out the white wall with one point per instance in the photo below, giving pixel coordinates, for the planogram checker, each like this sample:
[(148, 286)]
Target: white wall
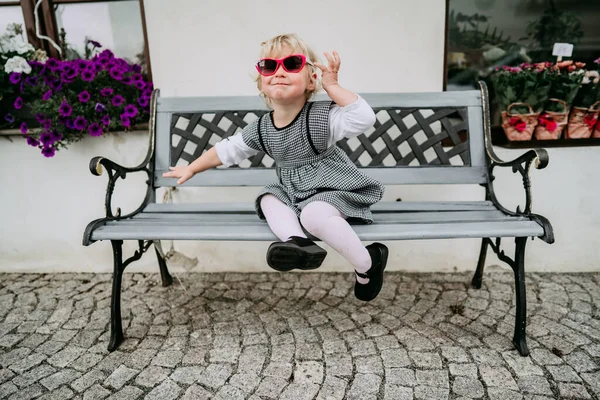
[(46, 203)]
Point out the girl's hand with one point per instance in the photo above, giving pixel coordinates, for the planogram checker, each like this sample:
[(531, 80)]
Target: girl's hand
[(182, 173), (330, 72)]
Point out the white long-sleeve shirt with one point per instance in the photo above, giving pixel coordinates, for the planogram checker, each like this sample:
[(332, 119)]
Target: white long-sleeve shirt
[(344, 122)]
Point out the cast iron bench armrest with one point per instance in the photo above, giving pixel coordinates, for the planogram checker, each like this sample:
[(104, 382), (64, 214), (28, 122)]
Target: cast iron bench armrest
[(522, 165)]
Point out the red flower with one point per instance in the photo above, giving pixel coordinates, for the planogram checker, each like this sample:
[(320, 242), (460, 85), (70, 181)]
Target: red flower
[(546, 121), (518, 124), (590, 120)]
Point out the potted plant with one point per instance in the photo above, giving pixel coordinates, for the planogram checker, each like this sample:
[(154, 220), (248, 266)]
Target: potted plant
[(521, 93), (72, 99), (566, 78), (586, 107), (15, 74)]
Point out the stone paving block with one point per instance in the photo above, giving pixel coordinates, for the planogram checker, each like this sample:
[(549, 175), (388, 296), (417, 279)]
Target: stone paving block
[(62, 393), (534, 385), (270, 387), (152, 376), (497, 377), (563, 373), (430, 393), (127, 393), (62, 377), (196, 392), (467, 387), (96, 392), (573, 391), (120, 377), (87, 380), (186, 375), (395, 392), (400, 376), (333, 388), (167, 390), (215, 375), (365, 384), (495, 393)]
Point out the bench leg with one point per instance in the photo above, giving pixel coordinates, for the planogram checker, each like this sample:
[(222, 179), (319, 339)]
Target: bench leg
[(477, 278), (116, 328), (162, 264), (519, 338)]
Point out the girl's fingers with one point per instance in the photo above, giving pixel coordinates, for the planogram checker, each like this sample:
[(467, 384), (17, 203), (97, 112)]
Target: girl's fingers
[(337, 59)]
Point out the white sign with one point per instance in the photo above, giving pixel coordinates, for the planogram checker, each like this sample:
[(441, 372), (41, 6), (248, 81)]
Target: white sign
[(562, 49)]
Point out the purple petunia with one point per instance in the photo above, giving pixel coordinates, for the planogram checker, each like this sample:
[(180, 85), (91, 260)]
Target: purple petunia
[(125, 120), (106, 54), (24, 128), (84, 96), (47, 95), (127, 80), (80, 123), (94, 43), (130, 110), (81, 64), (95, 129), (39, 117), (143, 101), (9, 118), (46, 138), (99, 107), (116, 73), (52, 63), (136, 68), (65, 109), (70, 123), (117, 100), (32, 80), (88, 75), (18, 103), (106, 91), (137, 77), (56, 136), (140, 85), (49, 151), (47, 124), (14, 77), (106, 120), (32, 142)]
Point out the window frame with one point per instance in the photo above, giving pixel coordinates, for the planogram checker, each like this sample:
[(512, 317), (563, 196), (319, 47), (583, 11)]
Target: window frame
[(49, 27)]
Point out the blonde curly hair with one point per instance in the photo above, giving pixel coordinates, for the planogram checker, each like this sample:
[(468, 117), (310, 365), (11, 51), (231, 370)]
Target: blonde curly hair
[(293, 42)]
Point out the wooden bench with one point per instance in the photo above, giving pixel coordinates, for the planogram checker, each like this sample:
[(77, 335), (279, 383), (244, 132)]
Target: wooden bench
[(419, 138)]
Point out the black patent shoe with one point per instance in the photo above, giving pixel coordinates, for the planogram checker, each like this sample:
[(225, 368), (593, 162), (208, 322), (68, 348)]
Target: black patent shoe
[(370, 290), (297, 252)]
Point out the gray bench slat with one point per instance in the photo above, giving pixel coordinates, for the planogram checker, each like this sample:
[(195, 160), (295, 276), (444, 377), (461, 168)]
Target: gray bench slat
[(261, 232), (388, 176), (382, 218), (382, 206), (401, 100)]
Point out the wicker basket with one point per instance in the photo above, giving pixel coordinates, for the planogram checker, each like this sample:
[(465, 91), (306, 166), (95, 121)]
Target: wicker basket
[(518, 127), (552, 123), (582, 121)]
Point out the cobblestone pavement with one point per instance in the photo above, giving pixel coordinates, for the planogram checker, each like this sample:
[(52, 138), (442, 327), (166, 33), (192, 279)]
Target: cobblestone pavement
[(298, 336)]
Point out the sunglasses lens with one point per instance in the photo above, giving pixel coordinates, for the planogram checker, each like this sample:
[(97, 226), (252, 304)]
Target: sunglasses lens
[(267, 66), (293, 63)]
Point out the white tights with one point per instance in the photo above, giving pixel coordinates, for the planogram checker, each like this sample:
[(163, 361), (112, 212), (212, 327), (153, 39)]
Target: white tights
[(323, 221)]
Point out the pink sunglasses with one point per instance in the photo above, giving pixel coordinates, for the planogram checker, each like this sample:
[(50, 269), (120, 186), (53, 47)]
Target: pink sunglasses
[(293, 63)]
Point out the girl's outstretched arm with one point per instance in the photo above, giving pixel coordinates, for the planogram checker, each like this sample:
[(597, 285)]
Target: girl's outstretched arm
[(207, 160)]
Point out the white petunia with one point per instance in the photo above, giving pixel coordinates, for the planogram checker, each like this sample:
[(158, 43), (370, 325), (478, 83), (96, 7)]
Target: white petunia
[(17, 64)]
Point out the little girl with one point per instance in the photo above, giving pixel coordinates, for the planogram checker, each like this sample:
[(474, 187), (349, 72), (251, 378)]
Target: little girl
[(319, 188)]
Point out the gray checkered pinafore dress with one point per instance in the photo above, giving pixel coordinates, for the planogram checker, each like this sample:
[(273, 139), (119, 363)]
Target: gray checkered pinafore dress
[(309, 171)]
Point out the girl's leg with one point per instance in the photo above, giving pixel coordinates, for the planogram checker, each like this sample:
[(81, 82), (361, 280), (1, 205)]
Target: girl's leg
[(324, 221), (294, 250), (281, 219)]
